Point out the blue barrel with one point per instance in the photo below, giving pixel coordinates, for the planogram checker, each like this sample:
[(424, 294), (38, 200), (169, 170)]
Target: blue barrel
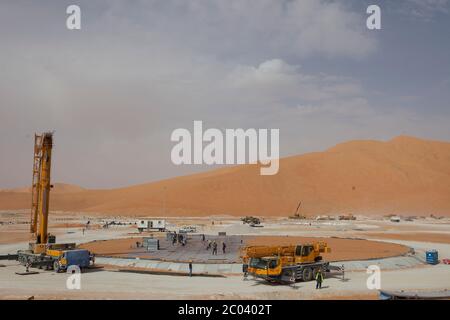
[(432, 257)]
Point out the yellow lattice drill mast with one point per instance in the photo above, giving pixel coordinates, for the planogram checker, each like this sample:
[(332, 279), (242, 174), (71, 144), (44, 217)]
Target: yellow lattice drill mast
[(43, 252), (41, 192)]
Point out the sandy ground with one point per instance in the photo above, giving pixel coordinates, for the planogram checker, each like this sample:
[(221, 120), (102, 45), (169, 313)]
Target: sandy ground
[(114, 247), (124, 285), (418, 236), (104, 284), (13, 236)]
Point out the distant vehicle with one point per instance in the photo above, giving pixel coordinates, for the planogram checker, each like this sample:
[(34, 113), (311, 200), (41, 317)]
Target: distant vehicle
[(251, 220), (151, 225), (347, 217), (254, 225), (297, 215), (323, 218), (395, 219), (188, 229)]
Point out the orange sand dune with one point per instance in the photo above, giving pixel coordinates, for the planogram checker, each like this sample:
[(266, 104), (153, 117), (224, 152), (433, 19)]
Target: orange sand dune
[(405, 175), (57, 188)]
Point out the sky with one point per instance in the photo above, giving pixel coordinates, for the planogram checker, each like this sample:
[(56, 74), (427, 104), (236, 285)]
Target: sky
[(114, 91)]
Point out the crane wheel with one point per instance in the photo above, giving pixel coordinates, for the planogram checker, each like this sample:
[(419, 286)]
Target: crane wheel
[(307, 274), (56, 266)]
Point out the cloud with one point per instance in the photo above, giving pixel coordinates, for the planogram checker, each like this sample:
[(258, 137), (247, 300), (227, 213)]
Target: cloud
[(425, 9), (287, 86), (251, 29), (116, 89)]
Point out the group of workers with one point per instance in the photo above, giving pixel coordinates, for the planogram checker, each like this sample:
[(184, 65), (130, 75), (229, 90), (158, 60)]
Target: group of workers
[(180, 238), (213, 244)]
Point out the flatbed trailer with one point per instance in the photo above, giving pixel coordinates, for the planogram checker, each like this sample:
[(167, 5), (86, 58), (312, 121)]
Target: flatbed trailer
[(33, 260), (56, 257)]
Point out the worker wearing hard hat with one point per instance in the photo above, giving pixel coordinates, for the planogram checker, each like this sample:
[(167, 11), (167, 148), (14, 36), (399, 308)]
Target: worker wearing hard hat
[(319, 279)]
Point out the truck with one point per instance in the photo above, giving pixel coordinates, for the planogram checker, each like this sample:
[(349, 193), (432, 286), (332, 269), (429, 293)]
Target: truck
[(43, 251), (57, 257), (188, 229), (347, 217), (151, 225), (286, 264), (251, 220), (297, 214)]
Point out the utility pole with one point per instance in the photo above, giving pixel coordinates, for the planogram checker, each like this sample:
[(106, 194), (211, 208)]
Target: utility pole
[(164, 201)]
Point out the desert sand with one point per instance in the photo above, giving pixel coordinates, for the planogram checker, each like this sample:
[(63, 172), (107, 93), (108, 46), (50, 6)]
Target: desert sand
[(120, 281), (405, 175), (418, 236), (57, 188), (14, 236)]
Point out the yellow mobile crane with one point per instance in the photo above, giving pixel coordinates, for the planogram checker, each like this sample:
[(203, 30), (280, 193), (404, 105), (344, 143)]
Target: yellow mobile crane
[(43, 251), (286, 263)]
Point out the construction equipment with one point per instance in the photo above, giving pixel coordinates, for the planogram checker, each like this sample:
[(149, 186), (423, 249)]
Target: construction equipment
[(43, 252), (286, 264), (347, 217), (188, 229), (251, 220), (297, 214)]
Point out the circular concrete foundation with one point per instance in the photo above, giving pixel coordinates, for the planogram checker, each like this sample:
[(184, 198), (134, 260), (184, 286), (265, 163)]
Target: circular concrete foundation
[(195, 249)]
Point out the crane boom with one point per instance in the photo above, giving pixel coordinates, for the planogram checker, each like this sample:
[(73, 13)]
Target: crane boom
[(41, 187), (291, 250)]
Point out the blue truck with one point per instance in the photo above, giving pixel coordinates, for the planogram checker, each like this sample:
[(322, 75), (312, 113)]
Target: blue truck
[(77, 257)]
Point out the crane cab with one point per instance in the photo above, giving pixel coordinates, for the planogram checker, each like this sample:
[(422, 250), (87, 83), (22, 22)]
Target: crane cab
[(268, 267), (307, 253)]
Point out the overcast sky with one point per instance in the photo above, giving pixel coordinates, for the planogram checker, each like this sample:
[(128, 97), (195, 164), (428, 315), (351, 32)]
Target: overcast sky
[(114, 91)]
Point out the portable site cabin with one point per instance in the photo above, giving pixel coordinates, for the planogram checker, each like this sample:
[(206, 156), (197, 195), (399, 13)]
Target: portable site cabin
[(151, 225)]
